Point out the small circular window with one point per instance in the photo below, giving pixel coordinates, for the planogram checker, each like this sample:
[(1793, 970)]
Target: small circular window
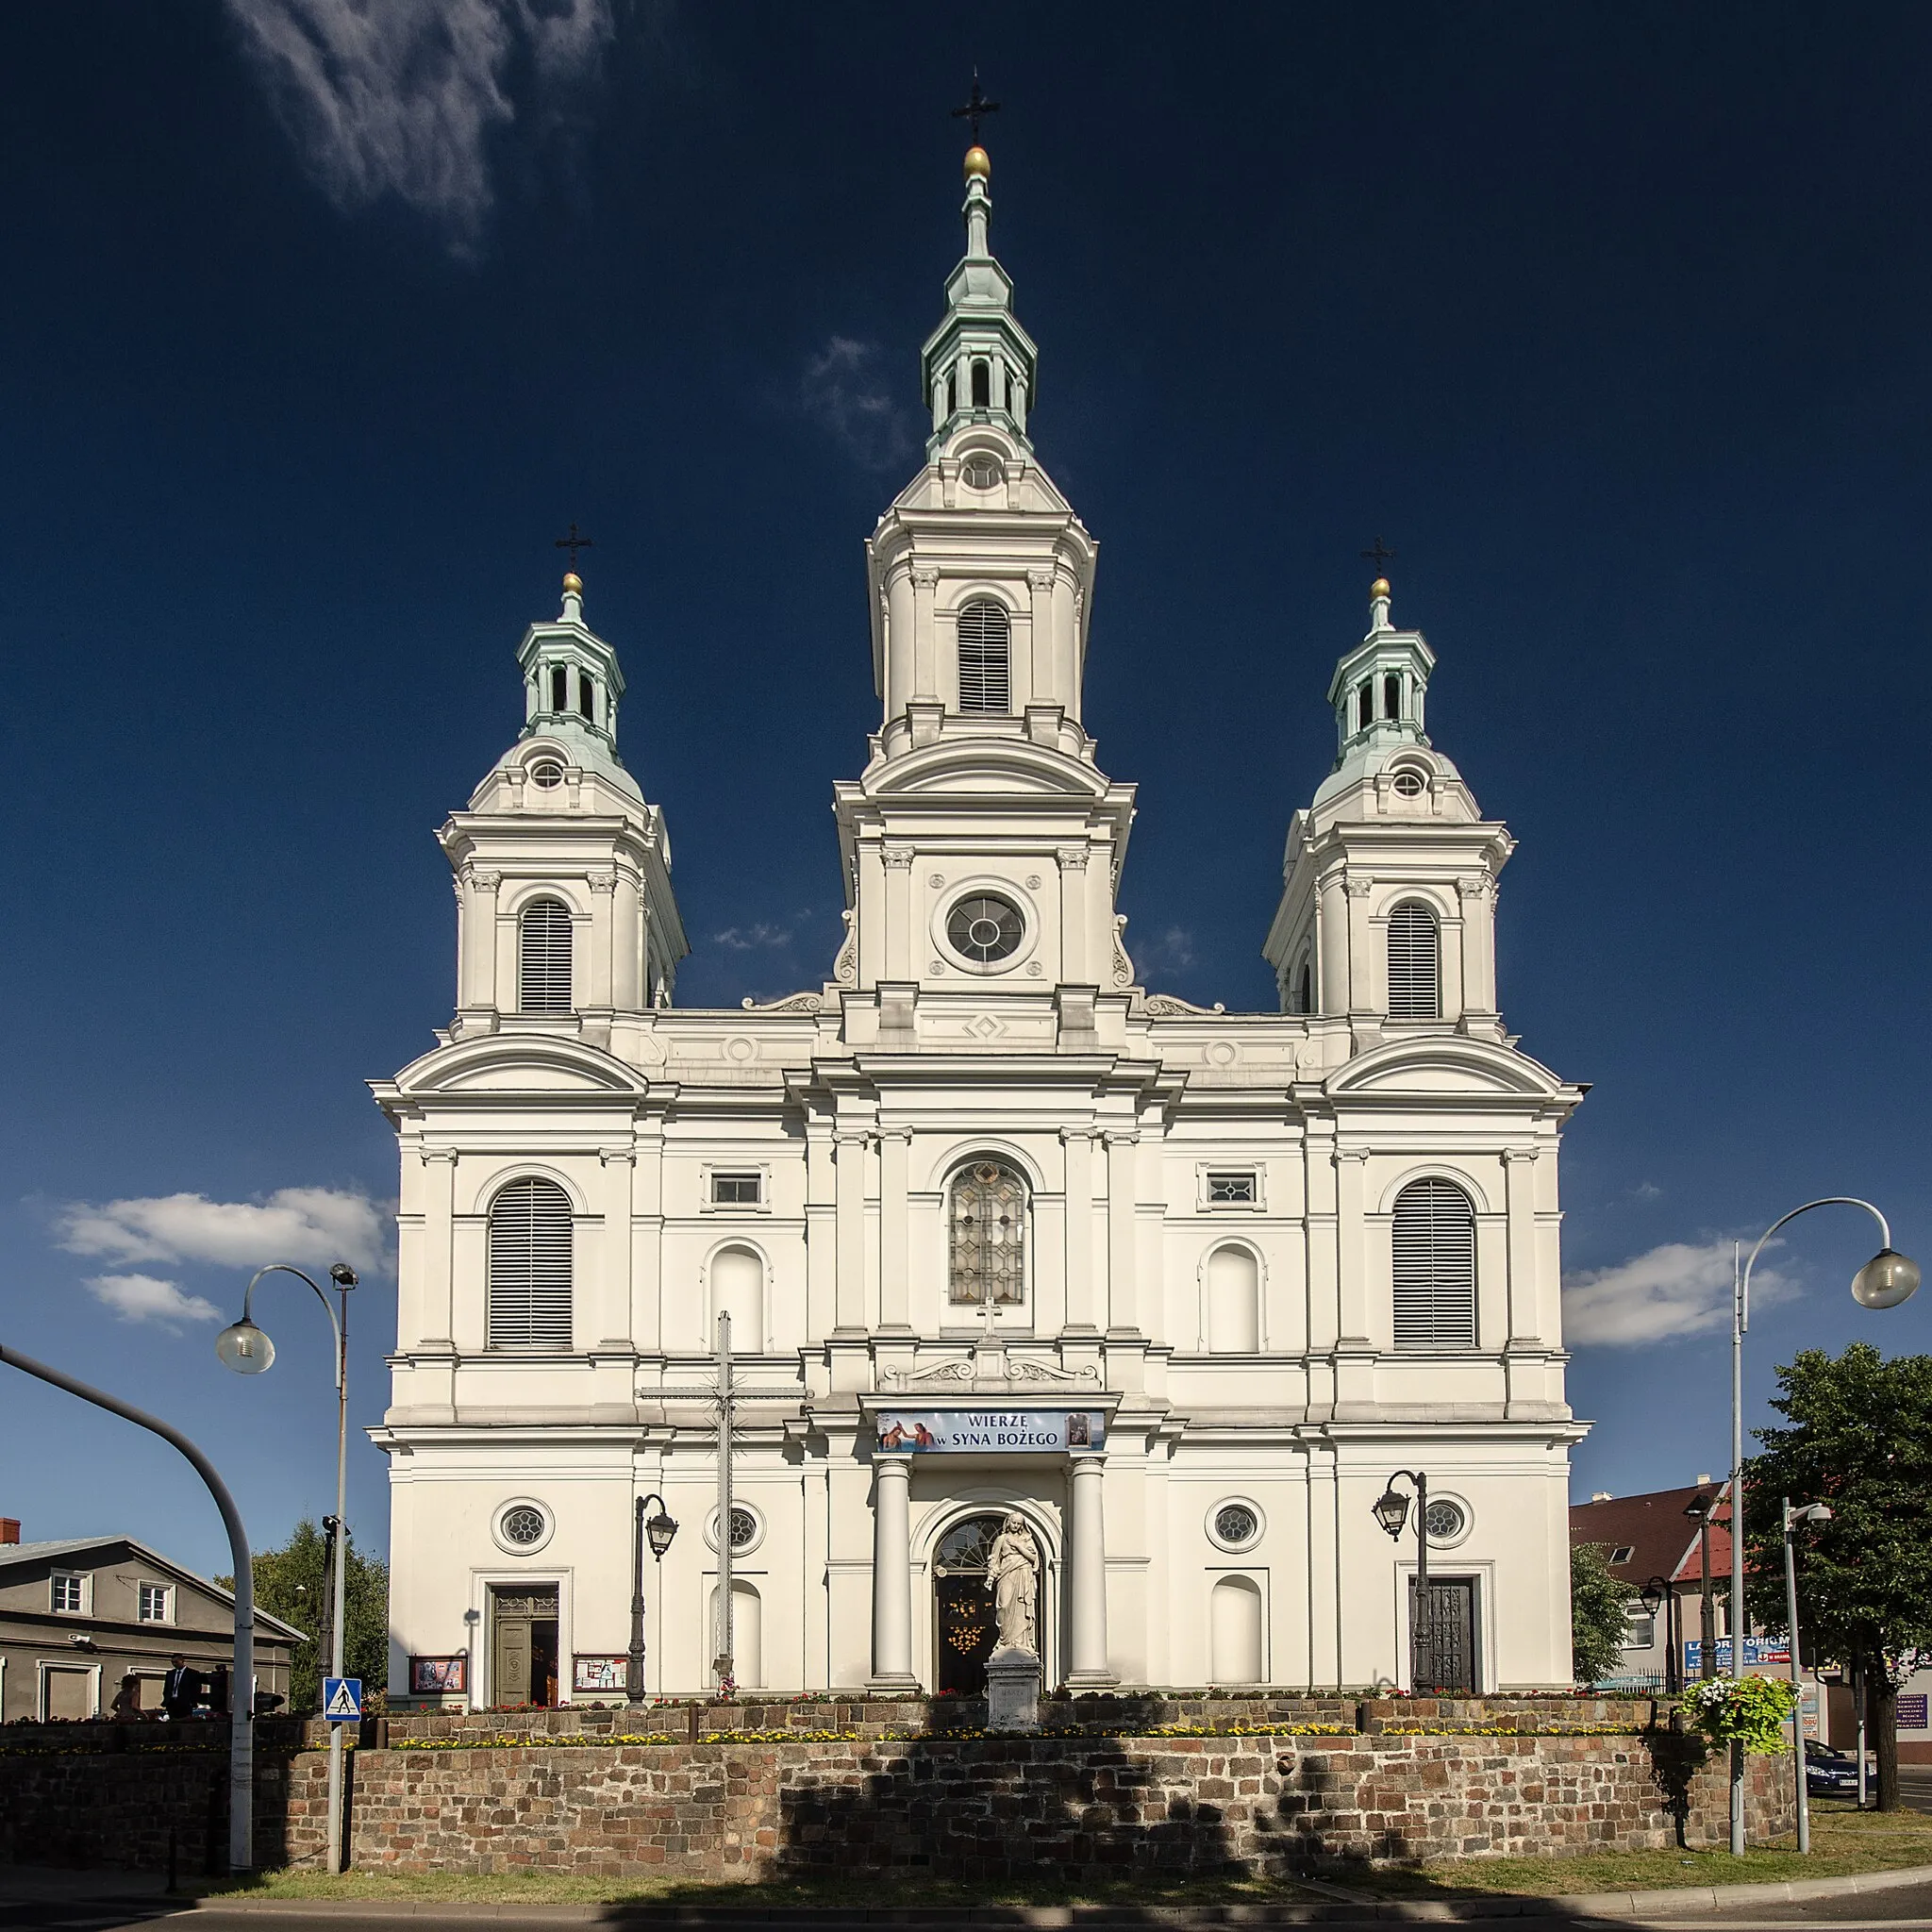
[(1447, 1521), (546, 774), (523, 1526), (747, 1529), (985, 929), (1408, 783), (981, 472), (1234, 1525)]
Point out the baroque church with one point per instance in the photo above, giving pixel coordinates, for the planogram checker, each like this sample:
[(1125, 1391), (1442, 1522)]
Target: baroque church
[(980, 1229)]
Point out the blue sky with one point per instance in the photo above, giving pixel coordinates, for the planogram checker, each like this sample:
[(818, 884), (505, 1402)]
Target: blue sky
[(322, 323)]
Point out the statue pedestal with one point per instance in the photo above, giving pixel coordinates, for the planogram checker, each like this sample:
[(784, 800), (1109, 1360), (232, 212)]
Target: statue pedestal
[(1012, 1691)]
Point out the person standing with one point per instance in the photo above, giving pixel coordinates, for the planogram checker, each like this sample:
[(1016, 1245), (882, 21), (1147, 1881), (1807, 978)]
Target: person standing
[(180, 1688)]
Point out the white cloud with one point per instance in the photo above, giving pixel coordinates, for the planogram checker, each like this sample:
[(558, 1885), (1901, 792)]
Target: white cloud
[(752, 939), (1646, 1191), (145, 1298), (1169, 950), (841, 389), (1676, 1290), (400, 96), (320, 1225)]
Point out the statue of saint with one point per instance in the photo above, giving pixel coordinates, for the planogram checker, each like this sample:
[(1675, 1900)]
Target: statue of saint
[(1012, 1575)]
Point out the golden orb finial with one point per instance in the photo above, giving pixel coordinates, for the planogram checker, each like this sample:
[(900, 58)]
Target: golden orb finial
[(1379, 587), (573, 584), (978, 163)]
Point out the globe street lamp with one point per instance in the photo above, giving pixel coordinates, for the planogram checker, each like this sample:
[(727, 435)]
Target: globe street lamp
[(1391, 1512), (1657, 1594), (248, 1351), (1885, 1281), (658, 1529)]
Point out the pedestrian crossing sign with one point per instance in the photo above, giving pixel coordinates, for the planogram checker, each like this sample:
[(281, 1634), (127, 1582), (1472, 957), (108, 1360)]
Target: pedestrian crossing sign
[(341, 1700)]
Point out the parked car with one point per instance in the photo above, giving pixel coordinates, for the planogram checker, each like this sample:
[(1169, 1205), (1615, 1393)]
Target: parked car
[(1830, 1773)]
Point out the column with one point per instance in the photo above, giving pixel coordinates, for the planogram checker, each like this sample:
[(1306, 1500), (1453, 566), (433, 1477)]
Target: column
[(1351, 1247), (647, 1236), (898, 863), (1331, 916), (1045, 689), (480, 938), (848, 1288), (899, 632), (626, 948), (1123, 1307), (1479, 896), (925, 582), (820, 1226), (1086, 1571), (1361, 975), (1066, 644), (612, 1324), (1074, 964), (895, 1155), (1078, 1162), (1519, 1183), (438, 1271), (891, 1574)]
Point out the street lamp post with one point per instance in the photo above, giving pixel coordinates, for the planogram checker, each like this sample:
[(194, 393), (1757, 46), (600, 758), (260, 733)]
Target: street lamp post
[(1794, 1519), (1657, 1594), (1699, 1510), (658, 1529), (1885, 1281), (248, 1351), (1391, 1512)]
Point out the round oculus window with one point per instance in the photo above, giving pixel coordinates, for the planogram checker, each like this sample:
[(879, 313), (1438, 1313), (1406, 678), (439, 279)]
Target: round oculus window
[(522, 1526), (744, 1528), (1446, 1521), (981, 472), (1408, 783), (1236, 1524), (985, 929), (546, 774)]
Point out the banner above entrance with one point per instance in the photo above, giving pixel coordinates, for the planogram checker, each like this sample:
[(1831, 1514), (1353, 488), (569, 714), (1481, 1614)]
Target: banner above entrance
[(990, 1431)]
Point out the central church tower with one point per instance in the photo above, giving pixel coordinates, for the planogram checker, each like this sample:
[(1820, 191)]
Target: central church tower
[(981, 844)]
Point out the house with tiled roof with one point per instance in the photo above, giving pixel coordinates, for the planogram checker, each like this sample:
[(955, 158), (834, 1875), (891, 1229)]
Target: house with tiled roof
[(1656, 1540)]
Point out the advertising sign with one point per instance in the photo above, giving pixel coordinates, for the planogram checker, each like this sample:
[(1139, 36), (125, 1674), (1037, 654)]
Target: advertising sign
[(1911, 1713), (1759, 1653), (989, 1431)]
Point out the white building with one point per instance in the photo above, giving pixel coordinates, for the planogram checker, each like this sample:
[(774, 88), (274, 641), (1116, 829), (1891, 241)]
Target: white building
[(1223, 1273)]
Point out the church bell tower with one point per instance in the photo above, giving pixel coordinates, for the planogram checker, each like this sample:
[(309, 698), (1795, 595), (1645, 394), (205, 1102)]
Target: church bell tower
[(982, 843)]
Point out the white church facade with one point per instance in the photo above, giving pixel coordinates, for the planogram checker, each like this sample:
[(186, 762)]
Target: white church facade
[(999, 1231)]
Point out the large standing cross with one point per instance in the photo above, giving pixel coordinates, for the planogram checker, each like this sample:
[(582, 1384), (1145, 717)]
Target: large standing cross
[(1378, 556), (723, 1395), (978, 107)]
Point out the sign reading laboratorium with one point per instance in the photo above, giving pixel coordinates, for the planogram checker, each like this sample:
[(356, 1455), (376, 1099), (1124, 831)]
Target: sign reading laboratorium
[(989, 1431)]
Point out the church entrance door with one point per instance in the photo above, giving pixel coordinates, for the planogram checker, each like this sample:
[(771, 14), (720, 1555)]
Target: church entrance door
[(1448, 1633), (523, 1651), (966, 1629)]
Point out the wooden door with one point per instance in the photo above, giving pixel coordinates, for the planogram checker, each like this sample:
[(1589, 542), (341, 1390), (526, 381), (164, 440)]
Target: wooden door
[(1448, 1633), (968, 1631)]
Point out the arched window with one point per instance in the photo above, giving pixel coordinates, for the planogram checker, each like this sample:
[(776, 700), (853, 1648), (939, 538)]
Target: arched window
[(1234, 1302), (560, 687), (1435, 1266), (1234, 1628), (982, 385), (747, 1632), (1365, 703), (529, 1267), (738, 1289), (988, 1234), (1304, 989), (1391, 696), (952, 392), (543, 958), (985, 658), (1415, 959), (586, 695)]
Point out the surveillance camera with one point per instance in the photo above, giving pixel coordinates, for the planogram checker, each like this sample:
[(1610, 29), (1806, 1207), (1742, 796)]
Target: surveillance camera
[(80, 1639)]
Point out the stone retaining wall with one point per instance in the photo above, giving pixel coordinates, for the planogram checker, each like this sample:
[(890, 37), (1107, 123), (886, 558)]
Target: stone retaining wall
[(1074, 1807)]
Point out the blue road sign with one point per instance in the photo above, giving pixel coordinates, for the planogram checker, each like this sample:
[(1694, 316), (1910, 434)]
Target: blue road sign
[(341, 1700)]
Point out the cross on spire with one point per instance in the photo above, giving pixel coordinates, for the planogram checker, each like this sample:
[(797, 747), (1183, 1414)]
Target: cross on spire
[(1380, 558), (978, 107), (574, 543)]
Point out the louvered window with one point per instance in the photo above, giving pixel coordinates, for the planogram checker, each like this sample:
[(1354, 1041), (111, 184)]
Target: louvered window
[(529, 1266), (543, 958), (1435, 1267), (985, 658), (1414, 964)]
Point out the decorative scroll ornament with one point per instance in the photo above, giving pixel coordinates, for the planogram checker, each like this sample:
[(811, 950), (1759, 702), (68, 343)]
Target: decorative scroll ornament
[(845, 966), (1023, 1369), (1122, 966), (791, 1003), (960, 1370), (1167, 1006)]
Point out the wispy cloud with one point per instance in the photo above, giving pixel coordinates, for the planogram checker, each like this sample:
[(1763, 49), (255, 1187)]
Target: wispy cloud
[(147, 1298), (399, 97), (1169, 950), (320, 1225), (753, 938), (1676, 1290), (1646, 1191), (842, 388)]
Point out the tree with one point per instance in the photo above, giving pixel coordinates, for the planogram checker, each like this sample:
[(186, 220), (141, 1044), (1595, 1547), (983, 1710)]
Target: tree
[(1860, 1440), (291, 1583), (1599, 1615)]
